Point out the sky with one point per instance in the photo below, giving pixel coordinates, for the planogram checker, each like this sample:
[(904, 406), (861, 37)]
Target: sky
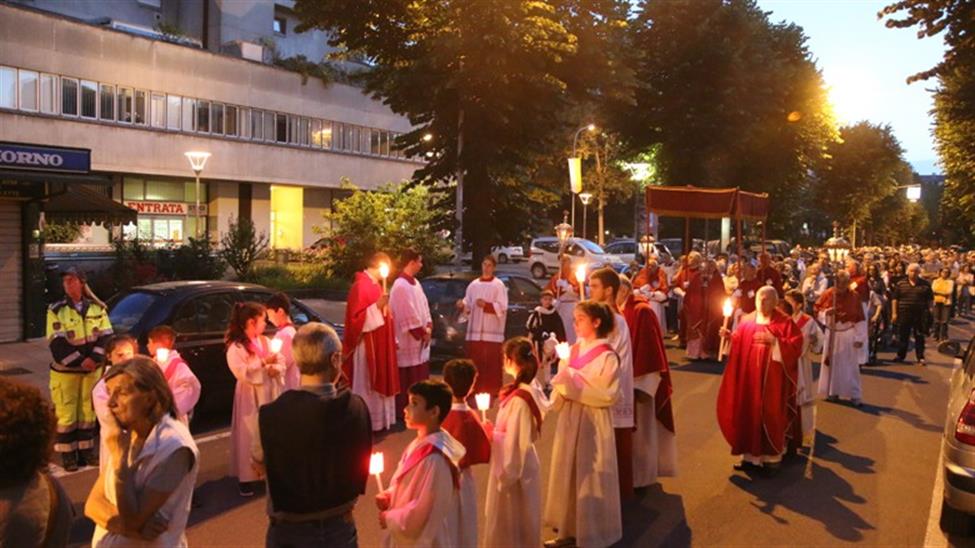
[(866, 65)]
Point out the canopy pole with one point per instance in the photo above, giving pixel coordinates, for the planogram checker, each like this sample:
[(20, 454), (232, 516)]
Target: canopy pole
[(646, 258), (707, 248), (687, 236)]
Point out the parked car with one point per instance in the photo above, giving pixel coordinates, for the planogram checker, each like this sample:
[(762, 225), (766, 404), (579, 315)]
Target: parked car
[(626, 250), (444, 290), (544, 259), (676, 245), (503, 254), (199, 312), (958, 441)]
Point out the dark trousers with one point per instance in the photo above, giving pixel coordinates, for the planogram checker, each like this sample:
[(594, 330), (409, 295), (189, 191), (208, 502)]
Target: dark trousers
[(941, 316), (908, 323), (337, 532)]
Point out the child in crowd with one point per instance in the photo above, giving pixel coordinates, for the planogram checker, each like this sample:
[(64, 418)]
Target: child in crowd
[(181, 380), (513, 508), (279, 314), (464, 426), (544, 323), (119, 349), (258, 372), (414, 509), (583, 499)]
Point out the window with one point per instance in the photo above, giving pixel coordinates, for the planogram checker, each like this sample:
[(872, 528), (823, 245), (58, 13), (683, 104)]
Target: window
[(280, 25), (141, 114), (89, 99), (133, 189), (338, 132), (49, 103), (189, 111), (295, 128), (28, 90), (145, 230), (213, 312), (106, 96), (316, 133), (184, 320), (281, 128), (203, 116), (351, 138), (216, 118), (230, 117), (8, 87), (158, 110), (165, 191), (125, 105), (327, 134), (245, 123), (375, 142), (69, 96), (257, 125), (174, 114), (305, 128), (269, 134)]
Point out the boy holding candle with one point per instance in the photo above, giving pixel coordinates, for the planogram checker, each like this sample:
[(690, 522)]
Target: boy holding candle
[(181, 380), (279, 314), (414, 509), (462, 423)]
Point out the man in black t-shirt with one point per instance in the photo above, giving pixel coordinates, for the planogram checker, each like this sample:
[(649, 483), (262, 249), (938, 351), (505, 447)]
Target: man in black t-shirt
[(911, 299)]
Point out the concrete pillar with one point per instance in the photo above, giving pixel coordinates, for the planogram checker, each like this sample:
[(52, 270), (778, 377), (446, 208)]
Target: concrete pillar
[(222, 207), (317, 203)]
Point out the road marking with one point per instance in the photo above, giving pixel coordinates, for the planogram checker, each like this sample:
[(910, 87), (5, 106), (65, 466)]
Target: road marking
[(58, 472)]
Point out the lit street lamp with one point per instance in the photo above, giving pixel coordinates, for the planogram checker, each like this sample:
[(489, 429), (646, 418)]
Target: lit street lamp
[(197, 161), (575, 167), (585, 198)]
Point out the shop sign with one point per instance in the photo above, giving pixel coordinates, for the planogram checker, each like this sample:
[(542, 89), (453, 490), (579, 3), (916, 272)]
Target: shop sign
[(165, 208), (21, 189), (41, 158)]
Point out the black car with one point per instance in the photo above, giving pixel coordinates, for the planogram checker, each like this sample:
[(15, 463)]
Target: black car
[(444, 290), (199, 312)]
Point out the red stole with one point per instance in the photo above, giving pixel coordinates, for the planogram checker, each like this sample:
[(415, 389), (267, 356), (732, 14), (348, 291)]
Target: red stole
[(465, 427), (525, 396), (380, 343), (649, 354), (421, 453), (756, 401), (803, 320)]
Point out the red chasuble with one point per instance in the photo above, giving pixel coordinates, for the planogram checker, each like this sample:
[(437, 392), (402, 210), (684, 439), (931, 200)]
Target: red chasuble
[(716, 295), (649, 354), (465, 427), (753, 401), (848, 307), (694, 309), (770, 274), (646, 278), (748, 288), (380, 343)]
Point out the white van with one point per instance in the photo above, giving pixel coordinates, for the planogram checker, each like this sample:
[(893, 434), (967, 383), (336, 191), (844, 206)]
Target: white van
[(543, 259)]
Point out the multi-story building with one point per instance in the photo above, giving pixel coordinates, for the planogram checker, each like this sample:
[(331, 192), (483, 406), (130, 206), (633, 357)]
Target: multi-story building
[(100, 100)]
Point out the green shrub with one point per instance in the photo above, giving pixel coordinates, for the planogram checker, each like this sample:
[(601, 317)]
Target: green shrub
[(295, 276), (241, 246), (61, 233)]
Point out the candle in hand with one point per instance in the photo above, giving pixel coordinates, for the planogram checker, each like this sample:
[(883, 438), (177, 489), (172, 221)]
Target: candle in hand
[(562, 350), (276, 345), (581, 274), (727, 309), (162, 355), (483, 401), (384, 272), (376, 467)]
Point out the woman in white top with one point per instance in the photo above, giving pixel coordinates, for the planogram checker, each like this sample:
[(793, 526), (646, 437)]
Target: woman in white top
[(142, 497)]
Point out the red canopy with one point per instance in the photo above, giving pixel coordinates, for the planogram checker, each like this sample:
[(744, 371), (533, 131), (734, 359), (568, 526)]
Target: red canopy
[(706, 203)]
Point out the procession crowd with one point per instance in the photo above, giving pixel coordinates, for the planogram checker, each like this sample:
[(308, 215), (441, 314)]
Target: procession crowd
[(307, 404)]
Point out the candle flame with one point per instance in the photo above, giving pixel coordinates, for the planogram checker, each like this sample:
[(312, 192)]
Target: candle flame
[(562, 350), (384, 270), (276, 345), (727, 309), (483, 401), (162, 355), (581, 274), (376, 464)]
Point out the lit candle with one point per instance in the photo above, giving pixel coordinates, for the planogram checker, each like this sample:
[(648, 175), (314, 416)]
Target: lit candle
[(581, 278), (727, 309), (562, 350), (162, 355), (384, 272), (376, 466), (483, 401), (276, 345)]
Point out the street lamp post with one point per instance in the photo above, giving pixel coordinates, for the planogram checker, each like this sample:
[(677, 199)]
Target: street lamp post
[(575, 168), (585, 198), (197, 161)]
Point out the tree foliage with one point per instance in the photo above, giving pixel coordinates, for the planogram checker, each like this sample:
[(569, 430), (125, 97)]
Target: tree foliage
[(241, 246), (393, 218)]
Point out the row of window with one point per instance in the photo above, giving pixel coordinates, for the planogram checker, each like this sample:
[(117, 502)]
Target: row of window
[(35, 91)]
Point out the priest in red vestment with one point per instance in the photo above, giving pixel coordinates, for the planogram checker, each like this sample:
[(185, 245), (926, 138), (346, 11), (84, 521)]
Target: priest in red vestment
[(369, 345), (768, 275), (689, 285), (758, 383)]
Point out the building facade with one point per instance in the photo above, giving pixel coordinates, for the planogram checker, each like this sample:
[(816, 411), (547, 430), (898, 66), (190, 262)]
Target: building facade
[(90, 75)]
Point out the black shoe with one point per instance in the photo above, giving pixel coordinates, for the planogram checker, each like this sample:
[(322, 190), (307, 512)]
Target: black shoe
[(899, 359), (88, 457), (745, 466), (246, 489), (69, 461)]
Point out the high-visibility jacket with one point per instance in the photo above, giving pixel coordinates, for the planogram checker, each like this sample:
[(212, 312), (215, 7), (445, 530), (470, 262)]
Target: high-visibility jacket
[(74, 334)]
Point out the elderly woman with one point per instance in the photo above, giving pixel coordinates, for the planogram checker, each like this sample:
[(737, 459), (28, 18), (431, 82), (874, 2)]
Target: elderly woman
[(142, 496)]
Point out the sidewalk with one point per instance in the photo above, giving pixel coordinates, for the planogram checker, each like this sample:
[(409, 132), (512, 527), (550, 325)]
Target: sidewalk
[(27, 362)]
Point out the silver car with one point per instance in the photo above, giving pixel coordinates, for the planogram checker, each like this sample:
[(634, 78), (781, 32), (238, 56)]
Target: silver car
[(959, 441)]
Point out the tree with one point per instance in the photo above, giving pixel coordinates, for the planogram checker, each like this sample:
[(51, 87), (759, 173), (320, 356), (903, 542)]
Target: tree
[(731, 99), (241, 246), (393, 218)]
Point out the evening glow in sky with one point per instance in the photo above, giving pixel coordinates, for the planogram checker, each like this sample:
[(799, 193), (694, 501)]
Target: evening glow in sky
[(866, 66)]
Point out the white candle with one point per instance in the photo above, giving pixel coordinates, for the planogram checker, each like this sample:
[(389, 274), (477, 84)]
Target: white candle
[(483, 401), (162, 355), (562, 350), (384, 272), (727, 309), (376, 467), (581, 278), (276, 345)]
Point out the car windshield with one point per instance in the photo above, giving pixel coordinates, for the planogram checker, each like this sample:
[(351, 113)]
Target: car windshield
[(591, 247), (127, 311)]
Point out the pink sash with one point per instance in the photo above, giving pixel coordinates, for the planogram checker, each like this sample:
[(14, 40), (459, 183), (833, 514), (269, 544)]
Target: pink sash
[(578, 362)]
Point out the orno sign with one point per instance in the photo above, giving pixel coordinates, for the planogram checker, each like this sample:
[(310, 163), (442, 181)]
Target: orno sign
[(40, 158)]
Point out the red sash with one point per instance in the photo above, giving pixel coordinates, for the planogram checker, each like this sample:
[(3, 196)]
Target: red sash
[(423, 452), (171, 368), (578, 362), (527, 398), (803, 320)]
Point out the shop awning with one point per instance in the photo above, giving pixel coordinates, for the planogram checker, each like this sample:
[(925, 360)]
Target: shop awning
[(79, 204)]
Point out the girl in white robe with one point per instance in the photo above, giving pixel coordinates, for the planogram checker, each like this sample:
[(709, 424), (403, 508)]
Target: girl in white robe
[(260, 379), (513, 506), (583, 498)]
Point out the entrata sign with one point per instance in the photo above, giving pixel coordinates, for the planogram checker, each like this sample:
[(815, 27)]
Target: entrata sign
[(165, 208), (40, 158)]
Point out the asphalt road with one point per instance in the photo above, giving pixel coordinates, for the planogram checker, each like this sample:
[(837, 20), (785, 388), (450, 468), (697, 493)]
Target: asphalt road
[(870, 479)]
